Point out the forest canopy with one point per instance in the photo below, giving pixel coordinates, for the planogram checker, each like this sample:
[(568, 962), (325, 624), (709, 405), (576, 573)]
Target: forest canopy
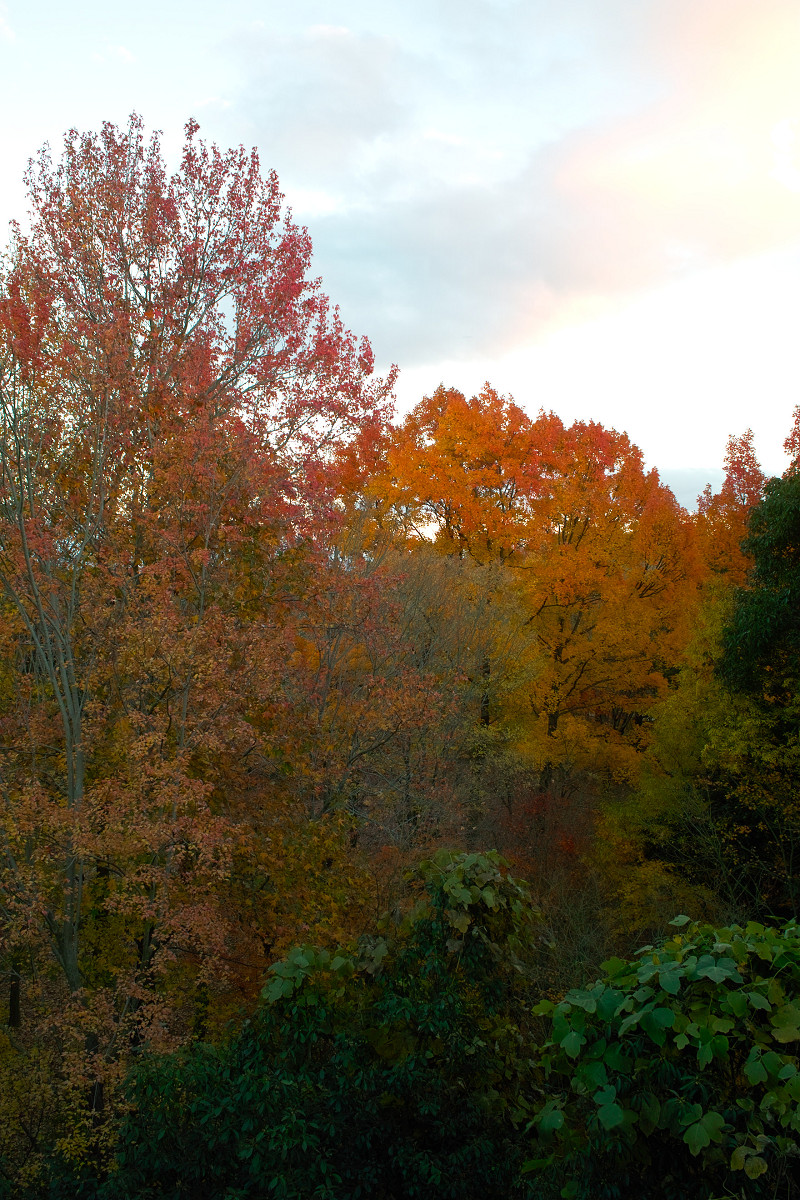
[(324, 729)]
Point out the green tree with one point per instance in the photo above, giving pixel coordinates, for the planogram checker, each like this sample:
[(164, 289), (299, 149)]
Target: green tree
[(391, 1069), (762, 642)]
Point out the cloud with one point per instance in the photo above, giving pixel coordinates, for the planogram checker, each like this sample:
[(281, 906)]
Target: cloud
[(478, 173), (114, 54), (316, 98), (7, 34), (701, 168)]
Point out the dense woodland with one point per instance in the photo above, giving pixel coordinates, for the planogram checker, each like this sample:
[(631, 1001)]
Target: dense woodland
[(347, 764)]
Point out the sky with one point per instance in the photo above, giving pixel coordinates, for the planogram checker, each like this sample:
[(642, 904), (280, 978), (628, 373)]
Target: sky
[(592, 204)]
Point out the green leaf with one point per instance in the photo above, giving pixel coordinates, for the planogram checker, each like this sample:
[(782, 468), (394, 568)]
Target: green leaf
[(755, 1071), (608, 1002), (758, 1001), (754, 1167), (650, 1112), (670, 981), (739, 1157), (786, 1023), (737, 1003), (719, 971), (646, 971), (536, 1164), (582, 999), (719, 1046), (632, 1019), (697, 1138), (787, 1033), (772, 1061), (775, 991), (680, 920), (705, 1054), (551, 1120), (610, 1115), (689, 1113), (458, 920), (592, 1074), (572, 1043), (713, 1123)]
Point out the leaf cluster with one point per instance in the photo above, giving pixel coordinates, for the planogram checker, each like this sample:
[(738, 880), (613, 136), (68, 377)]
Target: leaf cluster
[(675, 1072)]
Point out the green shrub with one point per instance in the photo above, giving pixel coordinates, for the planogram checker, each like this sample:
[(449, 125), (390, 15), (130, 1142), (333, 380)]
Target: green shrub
[(392, 1070), (675, 1075)]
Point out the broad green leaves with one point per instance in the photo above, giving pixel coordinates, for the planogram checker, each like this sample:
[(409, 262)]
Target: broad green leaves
[(691, 1045)]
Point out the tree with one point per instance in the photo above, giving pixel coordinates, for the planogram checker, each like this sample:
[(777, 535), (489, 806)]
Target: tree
[(595, 551), (174, 394), (389, 1068), (717, 805), (609, 583), (722, 518), (471, 468), (792, 443), (762, 641)]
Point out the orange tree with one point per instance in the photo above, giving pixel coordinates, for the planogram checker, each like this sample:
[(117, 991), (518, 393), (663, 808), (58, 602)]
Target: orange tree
[(596, 552), (722, 517)]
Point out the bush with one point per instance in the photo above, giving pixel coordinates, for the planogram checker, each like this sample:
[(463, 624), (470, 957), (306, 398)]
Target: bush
[(392, 1070), (673, 1075)]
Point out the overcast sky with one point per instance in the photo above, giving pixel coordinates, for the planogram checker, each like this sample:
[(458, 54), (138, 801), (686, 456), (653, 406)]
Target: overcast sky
[(593, 204)]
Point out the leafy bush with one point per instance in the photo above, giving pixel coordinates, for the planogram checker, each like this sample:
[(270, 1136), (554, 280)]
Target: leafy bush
[(415, 1065), (674, 1074), (391, 1070)]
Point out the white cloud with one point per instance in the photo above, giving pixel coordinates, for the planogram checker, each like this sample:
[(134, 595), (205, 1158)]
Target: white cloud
[(496, 186), (7, 34), (331, 31), (113, 54), (786, 168), (488, 171), (314, 99), (307, 203), (679, 368)]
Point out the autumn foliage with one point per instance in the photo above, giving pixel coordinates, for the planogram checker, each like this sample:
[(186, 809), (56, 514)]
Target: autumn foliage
[(262, 650)]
